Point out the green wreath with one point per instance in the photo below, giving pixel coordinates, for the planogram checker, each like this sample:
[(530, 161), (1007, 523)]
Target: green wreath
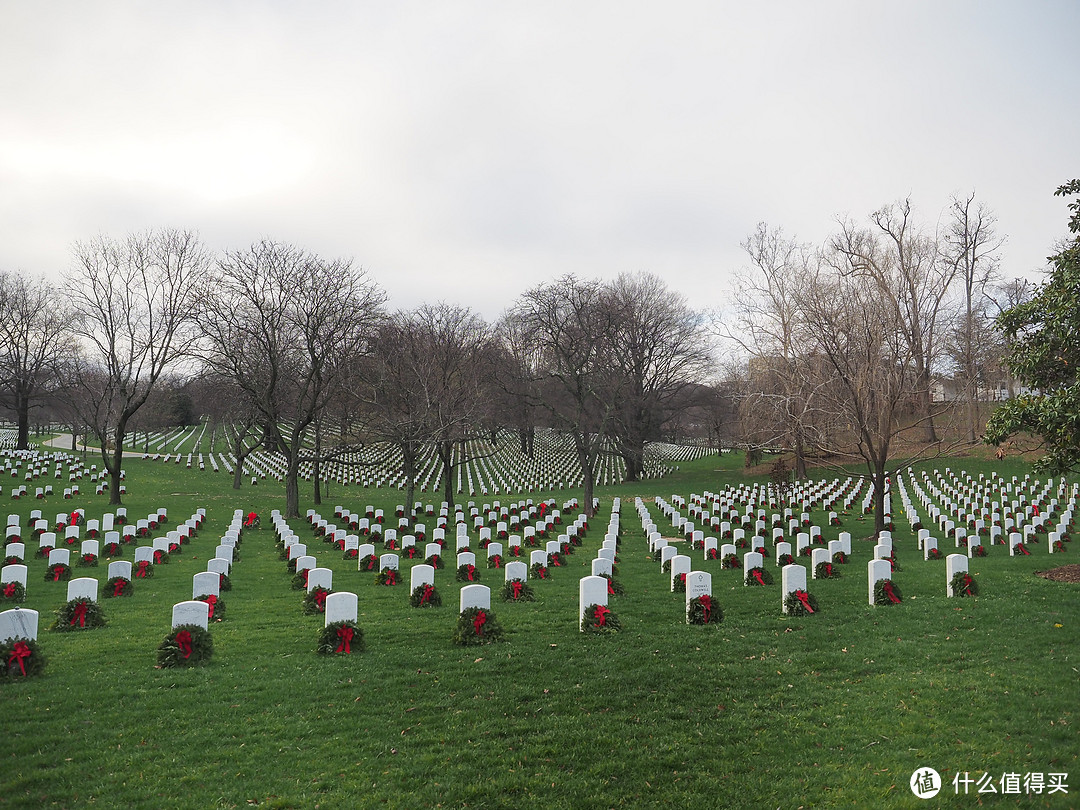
[(20, 658), (557, 559), (800, 603), (13, 592), (435, 561), (934, 554), (678, 584), (315, 601), (477, 626), (730, 561), (826, 570), (118, 586), (758, 576), (784, 559), (425, 596), (161, 557), (517, 590), (299, 580), (217, 606), (600, 619), (87, 561), (705, 610), (963, 584), (388, 576), (58, 572), (225, 583), (144, 569), (188, 645), (495, 561), (616, 588), (539, 571), (839, 558), (467, 573), (978, 551), (340, 638), (79, 614), (887, 592)]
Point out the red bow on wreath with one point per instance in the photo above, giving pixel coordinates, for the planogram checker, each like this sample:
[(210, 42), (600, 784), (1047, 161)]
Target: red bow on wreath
[(345, 634), (887, 587), (57, 571), (756, 574), (515, 587), (9, 589), (211, 600), (804, 597), (706, 606), (479, 622), (19, 652), (79, 615), (600, 615), (141, 570), (320, 599), (425, 594), (469, 571), (118, 587), (828, 570), (183, 641), (610, 588)]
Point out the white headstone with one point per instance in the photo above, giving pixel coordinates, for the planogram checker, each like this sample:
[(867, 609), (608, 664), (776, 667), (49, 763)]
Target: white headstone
[(601, 566), (792, 578), (120, 568), (320, 578), (60, 555), (18, 623), (206, 583), (877, 570), (340, 607), (421, 574), (13, 573), (218, 565), (479, 596), (516, 570), (591, 591), (306, 563), (954, 564), (680, 564), (193, 612), (82, 588)]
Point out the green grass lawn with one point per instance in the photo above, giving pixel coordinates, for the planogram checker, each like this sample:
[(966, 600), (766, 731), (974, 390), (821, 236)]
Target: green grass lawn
[(832, 710)]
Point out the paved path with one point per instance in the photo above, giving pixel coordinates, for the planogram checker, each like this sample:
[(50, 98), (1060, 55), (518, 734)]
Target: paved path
[(63, 442)]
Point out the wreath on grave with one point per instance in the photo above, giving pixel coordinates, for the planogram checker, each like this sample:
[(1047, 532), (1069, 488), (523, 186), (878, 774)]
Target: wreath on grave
[(615, 588), (886, 592), (467, 573), (21, 658), (58, 572), (435, 561), (1059, 546), (984, 531), (826, 570), (600, 619), (118, 586), (979, 551), (390, 544), (678, 584), (517, 590), (806, 551), (963, 584), (1020, 548), (515, 551), (44, 551), (188, 645), (839, 558), (144, 569), (369, 563), (388, 576), (11, 559), (699, 544), (224, 584), (730, 561), (315, 601), (935, 554), (565, 549), (87, 561), (350, 554), (410, 552), (161, 557), (557, 559), (112, 550), (800, 603), (79, 614), (13, 592), (425, 596), (894, 565), (299, 580), (495, 561), (835, 521), (340, 637), (742, 542), (657, 555), (666, 567), (960, 543), (712, 554), (477, 626), (217, 606), (704, 609), (758, 576), (539, 571)]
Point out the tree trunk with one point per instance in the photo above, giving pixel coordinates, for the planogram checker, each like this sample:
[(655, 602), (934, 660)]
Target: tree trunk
[(446, 454), (878, 479), (587, 460), (408, 468), (115, 464), (22, 408), (292, 484)]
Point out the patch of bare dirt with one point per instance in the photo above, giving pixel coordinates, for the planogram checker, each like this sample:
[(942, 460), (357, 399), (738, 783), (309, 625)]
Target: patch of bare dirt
[(1066, 573)]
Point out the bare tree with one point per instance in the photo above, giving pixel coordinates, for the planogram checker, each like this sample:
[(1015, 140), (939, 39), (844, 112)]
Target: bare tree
[(905, 264), (569, 325), (135, 305), (971, 245), (33, 338), (658, 350), (286, 326)]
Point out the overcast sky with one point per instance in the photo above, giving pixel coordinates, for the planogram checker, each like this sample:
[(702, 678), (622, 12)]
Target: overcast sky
[(465, 151)]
